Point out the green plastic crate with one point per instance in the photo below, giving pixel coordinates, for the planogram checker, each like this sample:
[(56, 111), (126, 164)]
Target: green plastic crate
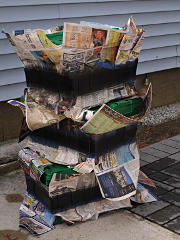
[(55, 168), (127, 107), (56, 38)]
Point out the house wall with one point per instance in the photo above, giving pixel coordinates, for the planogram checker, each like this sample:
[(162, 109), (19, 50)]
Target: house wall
[(160, 19)]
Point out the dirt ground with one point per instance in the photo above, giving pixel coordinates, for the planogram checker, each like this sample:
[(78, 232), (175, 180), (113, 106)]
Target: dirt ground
[(147, 135)]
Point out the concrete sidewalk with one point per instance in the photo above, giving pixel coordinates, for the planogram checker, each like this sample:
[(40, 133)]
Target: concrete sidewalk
[(161, 161)]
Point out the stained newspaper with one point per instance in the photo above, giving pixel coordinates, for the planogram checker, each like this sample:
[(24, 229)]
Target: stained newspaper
[(117, 172)]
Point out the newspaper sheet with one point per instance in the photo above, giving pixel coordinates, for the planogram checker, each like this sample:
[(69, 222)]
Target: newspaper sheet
[(99, 37), (60, 184), (92, 55), (105, 120), (117, 172), (77, 36), (144, 179), (99, 25), (110, 49), (30, 41), (80, 36), (34, 48), (70, 107), (113, 37), (62, 155), (147, 100), (26, 155), (53, 101), (37, 167), (85, 167), (127, 43), (143, 195), (32, 163), (34, 216), (38, 116), (92, 210), (147, 97), (49, 58), (135, 51), (55, 154), (72, 60)]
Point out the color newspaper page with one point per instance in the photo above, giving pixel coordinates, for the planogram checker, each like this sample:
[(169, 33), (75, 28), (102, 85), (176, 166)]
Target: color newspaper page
[(105, 120), (77, 36), (117, 172)]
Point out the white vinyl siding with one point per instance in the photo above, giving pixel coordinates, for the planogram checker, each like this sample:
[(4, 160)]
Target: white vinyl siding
[(160, 19)]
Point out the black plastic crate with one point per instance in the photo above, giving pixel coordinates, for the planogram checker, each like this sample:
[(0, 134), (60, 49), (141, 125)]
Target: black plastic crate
[(78, 83), (64, 201), (88, 144)]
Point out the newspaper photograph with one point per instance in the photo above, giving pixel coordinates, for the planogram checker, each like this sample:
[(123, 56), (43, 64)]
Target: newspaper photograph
[(77, 36), (72, 60), (105, 120), (35, 216), (117, 172), (98, 37), (50, 58), (121, 155), (56, 102), (116, 184)]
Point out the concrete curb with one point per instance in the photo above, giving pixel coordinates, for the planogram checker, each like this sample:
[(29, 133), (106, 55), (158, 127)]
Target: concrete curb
[(9, 167), (9, 154)]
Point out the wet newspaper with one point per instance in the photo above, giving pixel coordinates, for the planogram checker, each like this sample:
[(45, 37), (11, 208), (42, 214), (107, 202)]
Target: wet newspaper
[(117, 172), (37, 116), (35, 216), (144, 195), (56, 154), (92, 210)]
